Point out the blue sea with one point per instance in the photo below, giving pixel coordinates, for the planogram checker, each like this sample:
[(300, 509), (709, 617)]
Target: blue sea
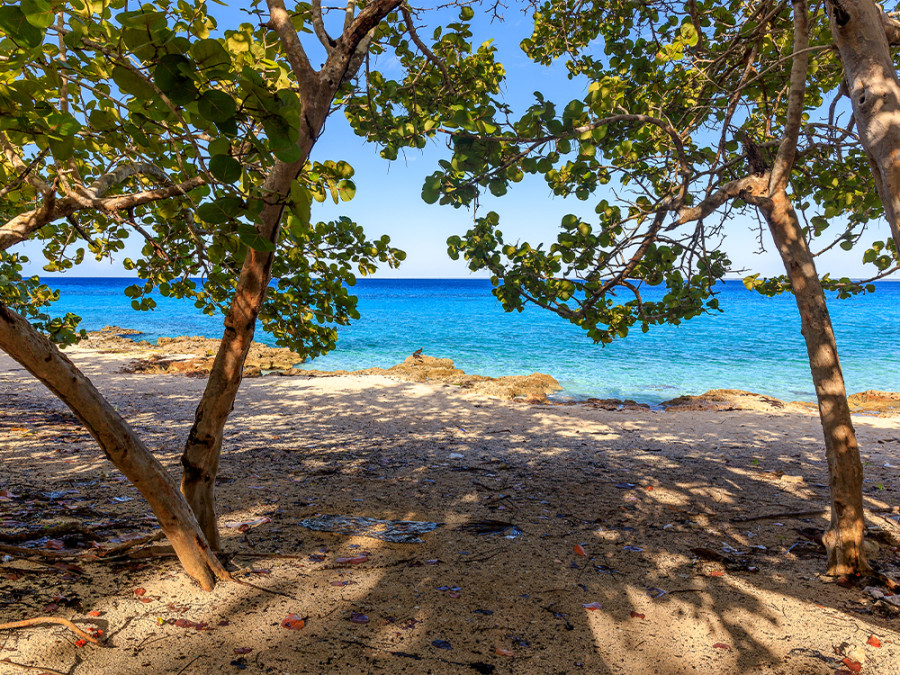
[(754, 344)]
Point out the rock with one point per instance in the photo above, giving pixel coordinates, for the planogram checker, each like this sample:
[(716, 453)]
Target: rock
[(727, 399), (875, 401)]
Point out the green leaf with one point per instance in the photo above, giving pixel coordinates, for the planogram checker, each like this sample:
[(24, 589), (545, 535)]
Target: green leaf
[(210, 54), (132, 83), (301, 202), (216, 106), (346, 190), (466, 14), (227, 169), (251, 237), (38, 13), (221, 210), (173, 76), (15, 24)]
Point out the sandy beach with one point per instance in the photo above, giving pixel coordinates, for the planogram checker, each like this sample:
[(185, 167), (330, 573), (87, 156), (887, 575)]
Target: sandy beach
[(620, 540)]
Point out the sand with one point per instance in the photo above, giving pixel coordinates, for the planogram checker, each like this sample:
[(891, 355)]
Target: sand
[(647, 496)]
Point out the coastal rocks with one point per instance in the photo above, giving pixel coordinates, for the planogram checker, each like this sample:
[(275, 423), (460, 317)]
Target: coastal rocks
[(528, 388), (194, 356), (873, 401), (728, 399), (615, 404)]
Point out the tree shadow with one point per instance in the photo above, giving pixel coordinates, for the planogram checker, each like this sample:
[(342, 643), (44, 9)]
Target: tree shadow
[(640, 492)]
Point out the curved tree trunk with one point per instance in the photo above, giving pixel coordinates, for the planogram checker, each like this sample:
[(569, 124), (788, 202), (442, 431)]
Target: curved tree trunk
[(861, 32), (119, 442), (844, 540), (317, 90)]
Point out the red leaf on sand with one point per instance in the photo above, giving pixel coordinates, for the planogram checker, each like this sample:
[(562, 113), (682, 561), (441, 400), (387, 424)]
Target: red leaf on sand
[(184, 623), (94, 612), (341, 583), (873, 641), (721, 645), (52, 607), (717, 573), (140, 591), (853, 666), (54, 544), (503, 652), (293, 622), (352, 561), (592, 606), (579, 550), (243, 650), (635, 615), (80, 643)]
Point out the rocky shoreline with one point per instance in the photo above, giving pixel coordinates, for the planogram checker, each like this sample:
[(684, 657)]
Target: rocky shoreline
[(193, 356)]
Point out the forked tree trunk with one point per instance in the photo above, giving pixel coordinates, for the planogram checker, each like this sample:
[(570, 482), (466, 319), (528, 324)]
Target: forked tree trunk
[(844, 540), (317, 90), (859, 29), (118, 441)]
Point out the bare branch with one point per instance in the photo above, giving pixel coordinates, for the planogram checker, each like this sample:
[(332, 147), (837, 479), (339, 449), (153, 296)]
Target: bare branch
[(280, 22), (417, 41), (787, 151), (26, 170), (319, 26), (732, 190)]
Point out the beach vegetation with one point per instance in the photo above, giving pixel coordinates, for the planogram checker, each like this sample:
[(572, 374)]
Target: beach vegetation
[(120, 120), (694, 116)]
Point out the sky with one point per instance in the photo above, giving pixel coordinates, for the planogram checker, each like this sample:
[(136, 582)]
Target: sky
[(388, 197)]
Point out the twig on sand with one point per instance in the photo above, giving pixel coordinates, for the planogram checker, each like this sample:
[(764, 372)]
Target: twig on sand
[(190, 663), (115, 550), (780, 514), (27, 667), (52, 619), (21, 551), (54, 531)]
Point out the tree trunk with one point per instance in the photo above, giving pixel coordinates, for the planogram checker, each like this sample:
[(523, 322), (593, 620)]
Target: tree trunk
[(844, 540), (859, 33), (204, 443), (317, 90), (118, 441)]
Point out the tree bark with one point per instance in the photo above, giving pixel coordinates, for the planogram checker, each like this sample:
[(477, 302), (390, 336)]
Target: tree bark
[(844, 540), (859, 33), (317, 90), (118, 441)]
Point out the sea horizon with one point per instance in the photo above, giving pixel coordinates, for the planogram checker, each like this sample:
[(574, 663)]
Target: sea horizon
[(753, 345)]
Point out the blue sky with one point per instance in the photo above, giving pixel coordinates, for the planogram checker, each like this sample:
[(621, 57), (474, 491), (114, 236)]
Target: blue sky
[(388, 193)]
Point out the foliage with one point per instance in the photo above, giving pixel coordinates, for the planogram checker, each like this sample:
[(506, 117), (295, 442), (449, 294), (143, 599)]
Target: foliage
[(682, 101), (105, 100)]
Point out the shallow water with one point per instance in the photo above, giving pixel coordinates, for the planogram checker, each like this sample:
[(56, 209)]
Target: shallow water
[(755, 344)]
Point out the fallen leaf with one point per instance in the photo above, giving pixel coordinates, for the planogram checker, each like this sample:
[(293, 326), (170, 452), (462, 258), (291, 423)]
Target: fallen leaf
[(356, 560), (629, 547), (503, 652), (55, 544), (293, 622), (873, 641), (579, 550), (717, 573), (721, 645), (853, 666), (355, 617), (341, 583), (635, 615), (140, 591), (80, 643), (592, 606), (243, 650), (94, 612), (442, 644)]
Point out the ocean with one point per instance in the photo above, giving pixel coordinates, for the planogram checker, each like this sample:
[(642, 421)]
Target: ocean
[(754, 344)]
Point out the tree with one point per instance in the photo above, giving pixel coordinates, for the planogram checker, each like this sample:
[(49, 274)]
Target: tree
[(118, 121), (694, 114)]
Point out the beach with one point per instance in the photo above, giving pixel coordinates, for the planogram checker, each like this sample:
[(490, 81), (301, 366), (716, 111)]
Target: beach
[(574, 538)]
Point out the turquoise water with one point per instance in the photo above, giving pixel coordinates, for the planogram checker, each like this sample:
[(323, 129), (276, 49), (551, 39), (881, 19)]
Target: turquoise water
[(754, 345)]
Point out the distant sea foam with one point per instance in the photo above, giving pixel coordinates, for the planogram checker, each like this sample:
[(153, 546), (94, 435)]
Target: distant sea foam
[(755, 344)]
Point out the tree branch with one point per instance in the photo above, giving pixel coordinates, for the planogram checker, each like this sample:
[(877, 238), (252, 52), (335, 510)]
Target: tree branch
[(319, 26), (280, 22), (787, 151), (737, 188), (417, 41)]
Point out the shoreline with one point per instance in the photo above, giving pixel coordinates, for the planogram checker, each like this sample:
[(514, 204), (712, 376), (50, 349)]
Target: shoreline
[(192, 356)]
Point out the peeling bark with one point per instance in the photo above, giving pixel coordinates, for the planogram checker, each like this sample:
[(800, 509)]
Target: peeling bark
[(117, 440), (844, 540), (859, 32)]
